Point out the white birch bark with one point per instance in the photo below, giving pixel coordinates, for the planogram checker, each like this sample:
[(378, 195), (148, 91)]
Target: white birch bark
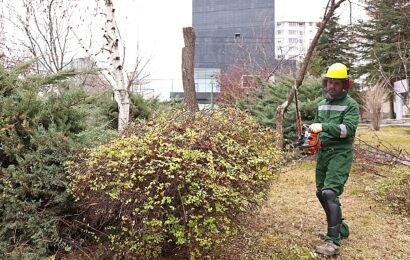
[(112, 46)]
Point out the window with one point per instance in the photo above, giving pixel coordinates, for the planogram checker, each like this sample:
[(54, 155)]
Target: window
[(293, 24), (279, 31), (293, 32), (293, 40), (279, 24), (310, 24)]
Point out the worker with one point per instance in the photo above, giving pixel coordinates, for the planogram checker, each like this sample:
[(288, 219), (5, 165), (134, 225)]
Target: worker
[(336, 121)]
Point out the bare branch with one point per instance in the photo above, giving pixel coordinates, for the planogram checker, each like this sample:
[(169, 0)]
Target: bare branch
[(280, 111)]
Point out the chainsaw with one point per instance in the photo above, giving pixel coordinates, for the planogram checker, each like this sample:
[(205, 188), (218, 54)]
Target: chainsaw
[(306, 138)]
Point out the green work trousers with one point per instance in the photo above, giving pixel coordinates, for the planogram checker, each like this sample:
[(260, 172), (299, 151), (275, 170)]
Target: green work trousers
[(332, 171), (333, 167)]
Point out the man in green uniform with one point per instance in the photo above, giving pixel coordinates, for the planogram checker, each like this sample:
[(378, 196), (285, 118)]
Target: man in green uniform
[(336, 121)]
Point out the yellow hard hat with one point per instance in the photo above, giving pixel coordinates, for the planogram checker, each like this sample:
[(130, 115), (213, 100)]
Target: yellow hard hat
[(337, 71)]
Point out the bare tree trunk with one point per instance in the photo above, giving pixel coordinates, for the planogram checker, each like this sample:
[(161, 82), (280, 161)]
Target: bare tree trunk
[(120, 88), (392, 114), (332, 5), (188, 56)]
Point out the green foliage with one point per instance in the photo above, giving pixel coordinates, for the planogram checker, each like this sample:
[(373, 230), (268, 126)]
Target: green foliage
[(41, 125), (140, 108), (176, 185), (395, 190), (263, 108), (316, 66), (383, 39), (334, 45)]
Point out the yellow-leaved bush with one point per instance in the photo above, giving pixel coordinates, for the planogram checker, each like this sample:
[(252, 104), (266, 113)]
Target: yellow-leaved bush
[(175, 185)]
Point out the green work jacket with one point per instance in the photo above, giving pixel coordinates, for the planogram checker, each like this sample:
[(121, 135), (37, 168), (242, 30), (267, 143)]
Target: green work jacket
[(339, 119)]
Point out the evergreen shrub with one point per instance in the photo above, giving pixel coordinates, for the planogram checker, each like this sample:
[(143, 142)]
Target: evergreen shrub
[(42, 124), (265, 102)]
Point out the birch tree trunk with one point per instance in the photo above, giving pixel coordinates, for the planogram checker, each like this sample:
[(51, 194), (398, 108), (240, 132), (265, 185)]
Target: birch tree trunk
[(120, 88), (188, 56), (332, 5)]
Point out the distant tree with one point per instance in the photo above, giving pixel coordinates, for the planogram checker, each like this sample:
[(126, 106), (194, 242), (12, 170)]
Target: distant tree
[(253, 60), (237, 83), (42, 33), (335, 44), (316, 65), (385, 41), (384, 47), (373, 102)]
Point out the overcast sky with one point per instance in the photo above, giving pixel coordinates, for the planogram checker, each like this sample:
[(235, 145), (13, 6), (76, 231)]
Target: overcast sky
[(156, 27)]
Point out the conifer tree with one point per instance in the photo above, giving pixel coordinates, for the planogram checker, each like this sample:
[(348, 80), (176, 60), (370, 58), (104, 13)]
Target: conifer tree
[(263, 106), (335, 45), (42, 124), (385, 41)]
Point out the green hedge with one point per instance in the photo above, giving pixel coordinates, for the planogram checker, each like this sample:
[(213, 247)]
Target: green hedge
[(176, 185)]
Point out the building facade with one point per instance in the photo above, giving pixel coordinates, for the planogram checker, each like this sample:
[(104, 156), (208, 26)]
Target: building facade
[(228, 33), (293, 39), (227, 30)]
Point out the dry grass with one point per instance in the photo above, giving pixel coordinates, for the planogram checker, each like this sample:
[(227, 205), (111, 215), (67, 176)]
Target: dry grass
[(398, 137), (286, 226)]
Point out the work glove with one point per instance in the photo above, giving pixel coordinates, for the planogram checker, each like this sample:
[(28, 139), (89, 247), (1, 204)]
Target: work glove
[(315, 128)]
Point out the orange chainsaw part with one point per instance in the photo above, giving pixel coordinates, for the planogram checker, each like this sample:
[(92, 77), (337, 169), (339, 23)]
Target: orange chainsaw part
[(314, 143)]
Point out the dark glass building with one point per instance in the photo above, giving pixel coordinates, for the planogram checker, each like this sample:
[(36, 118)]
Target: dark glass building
[(230, 32), (233, 31)]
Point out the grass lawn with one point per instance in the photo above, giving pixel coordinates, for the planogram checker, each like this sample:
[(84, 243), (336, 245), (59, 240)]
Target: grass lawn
[(397, 137)]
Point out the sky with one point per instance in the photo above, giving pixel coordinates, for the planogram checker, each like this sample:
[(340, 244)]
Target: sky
[(154, 29), (157, 27)]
